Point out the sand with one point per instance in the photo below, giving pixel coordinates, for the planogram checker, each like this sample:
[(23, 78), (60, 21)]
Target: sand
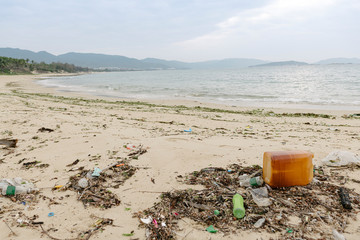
[(88, 129)]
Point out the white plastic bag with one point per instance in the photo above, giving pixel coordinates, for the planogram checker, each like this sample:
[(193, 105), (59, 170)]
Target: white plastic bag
[(340, 158)]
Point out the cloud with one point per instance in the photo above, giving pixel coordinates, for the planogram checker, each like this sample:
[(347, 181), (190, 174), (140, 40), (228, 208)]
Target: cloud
[(275, 15)]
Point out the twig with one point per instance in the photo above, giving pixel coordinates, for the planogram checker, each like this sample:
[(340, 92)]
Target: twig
[(221, 185), (10, 228), (84, 192), (188, 233), (110, 166), (54, 238), (196, 205), (149, 192), (258, 171)]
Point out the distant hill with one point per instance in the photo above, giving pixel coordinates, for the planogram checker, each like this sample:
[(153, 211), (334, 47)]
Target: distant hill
[(93, 60), (90, 60), (284, 63), (26, 54), (339, 61), (169, 64), (229, 63)]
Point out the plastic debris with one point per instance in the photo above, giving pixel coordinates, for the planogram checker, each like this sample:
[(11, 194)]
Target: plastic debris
[(96, 172), (83, 183), (188, 130), (247, 181), (16, 186), (344, 198), (316, 200), (259, 223), (155, 223), (51, 214), (340, 158), (211, 229), (130, 146), (238, 208), (337, 235), (216, 212), (260, 196), (8, 142), (147, 220)]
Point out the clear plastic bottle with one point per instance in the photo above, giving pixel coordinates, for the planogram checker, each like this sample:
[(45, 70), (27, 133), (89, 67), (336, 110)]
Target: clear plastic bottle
[(288, 168), (14, 190), (247, 181), (15, 186)]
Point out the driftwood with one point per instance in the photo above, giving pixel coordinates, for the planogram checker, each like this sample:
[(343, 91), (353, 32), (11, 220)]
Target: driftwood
[(45, 129), (74, 163), (8, 142)]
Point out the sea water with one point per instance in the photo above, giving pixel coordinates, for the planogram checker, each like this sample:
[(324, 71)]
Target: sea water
[(309, 86)]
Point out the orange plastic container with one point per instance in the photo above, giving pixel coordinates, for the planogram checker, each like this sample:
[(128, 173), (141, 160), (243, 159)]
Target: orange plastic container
[(288, 168)]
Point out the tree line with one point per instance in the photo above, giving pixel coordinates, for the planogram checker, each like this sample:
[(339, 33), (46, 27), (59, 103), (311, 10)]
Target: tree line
[(25, 66)]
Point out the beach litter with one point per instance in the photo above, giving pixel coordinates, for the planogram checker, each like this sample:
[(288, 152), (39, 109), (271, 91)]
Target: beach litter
[(93, 186), (341, 158), (316, 206), (136, 151), (43, 129), (11, 143), (15, 186)]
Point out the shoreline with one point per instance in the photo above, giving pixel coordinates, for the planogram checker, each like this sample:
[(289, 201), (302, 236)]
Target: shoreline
[(93, 131), (280, 107)]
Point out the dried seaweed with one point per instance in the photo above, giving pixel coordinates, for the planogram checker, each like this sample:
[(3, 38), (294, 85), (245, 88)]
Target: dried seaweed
[(97, 193), (316, 206)]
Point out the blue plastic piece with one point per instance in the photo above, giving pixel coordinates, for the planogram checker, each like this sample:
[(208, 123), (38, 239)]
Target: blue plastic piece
[(96, 172)]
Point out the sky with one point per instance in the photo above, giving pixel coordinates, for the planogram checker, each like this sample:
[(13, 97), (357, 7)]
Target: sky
[(187, 30)]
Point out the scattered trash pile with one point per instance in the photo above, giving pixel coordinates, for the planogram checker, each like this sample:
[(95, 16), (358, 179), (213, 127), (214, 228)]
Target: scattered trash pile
[(92, 186), (315, 211)]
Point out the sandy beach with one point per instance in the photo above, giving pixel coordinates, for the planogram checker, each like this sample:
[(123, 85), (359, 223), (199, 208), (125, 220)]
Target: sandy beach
[(95, 130)]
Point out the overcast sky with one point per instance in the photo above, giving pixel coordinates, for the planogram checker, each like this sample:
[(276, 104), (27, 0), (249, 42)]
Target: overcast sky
[(187, 30)]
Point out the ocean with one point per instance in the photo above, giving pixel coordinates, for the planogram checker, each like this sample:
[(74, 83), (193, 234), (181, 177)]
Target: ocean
[(309, 86)]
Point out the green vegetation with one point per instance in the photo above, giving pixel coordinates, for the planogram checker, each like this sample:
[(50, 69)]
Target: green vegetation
[(25, 66)]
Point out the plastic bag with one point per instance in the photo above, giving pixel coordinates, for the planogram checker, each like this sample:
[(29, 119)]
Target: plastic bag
[(261, 196), (340, 158)]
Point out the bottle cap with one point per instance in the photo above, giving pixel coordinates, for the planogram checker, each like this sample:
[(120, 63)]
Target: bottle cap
[(10, 191)]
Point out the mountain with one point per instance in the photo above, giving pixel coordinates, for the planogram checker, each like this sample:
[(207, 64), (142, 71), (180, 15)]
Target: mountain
[(170, 64), (229, 63), (284, 63), (90, 60), (94, 60), (26, 54), (116, 62), (339, 61)]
